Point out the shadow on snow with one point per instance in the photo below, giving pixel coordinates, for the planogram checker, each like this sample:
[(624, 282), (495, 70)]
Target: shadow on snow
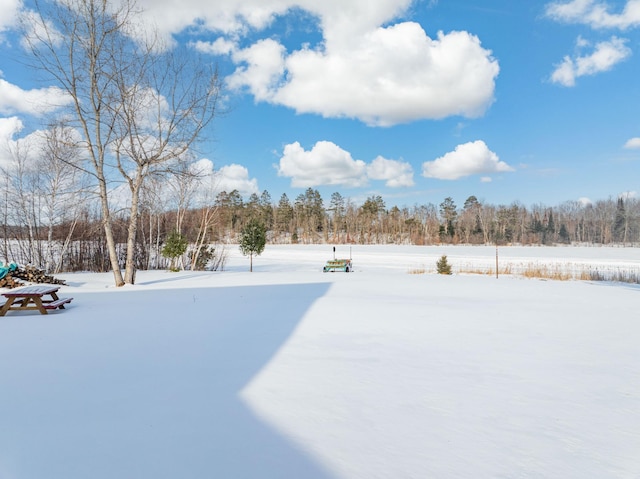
[(129, 393)]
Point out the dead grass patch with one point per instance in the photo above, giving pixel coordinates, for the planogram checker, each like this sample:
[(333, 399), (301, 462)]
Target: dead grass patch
[(421, 270), (547, 272)]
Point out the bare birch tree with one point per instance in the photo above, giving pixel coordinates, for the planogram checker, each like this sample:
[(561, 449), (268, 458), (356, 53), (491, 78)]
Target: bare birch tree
[(208, 214), (72, 43), (63, 188), (136, 105), (163, 111), (20, 204)]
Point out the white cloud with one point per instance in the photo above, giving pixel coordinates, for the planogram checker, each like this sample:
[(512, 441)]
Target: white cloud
[(604, 57), (9, 17), (584, 201), (633, 143), (381, 75), (627, 195), (595, 13), (236, 177), (582, 42), (328, 164), (206, 183), (220, 46), (397, 174), (9, 127), (565, 73), (200, 190), (236, 17), (26, 148), (227, 16), (38, 102), (325, 164), (262, 70), (385, 76), (209, 182), (472, 158), (366, 67)]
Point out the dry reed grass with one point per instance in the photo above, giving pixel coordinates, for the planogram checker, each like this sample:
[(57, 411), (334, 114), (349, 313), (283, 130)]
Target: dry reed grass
[(420, 270), (556, 272), (560, 272)]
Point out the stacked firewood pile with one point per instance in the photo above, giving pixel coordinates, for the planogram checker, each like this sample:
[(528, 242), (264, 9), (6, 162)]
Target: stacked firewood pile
[(15, 277)]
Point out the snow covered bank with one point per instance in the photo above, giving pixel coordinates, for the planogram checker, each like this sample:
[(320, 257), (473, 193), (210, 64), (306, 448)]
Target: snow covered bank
[(289, 372)]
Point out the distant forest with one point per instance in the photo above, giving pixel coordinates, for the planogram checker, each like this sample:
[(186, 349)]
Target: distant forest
[(63, 233)]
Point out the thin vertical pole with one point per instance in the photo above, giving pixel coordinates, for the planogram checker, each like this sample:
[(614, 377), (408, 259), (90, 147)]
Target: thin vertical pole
[(496, 260)]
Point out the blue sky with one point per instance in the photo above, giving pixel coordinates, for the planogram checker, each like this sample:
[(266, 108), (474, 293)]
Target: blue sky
[(534, 102)]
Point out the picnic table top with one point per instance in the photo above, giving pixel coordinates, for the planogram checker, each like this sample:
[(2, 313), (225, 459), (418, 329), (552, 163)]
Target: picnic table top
[(31, 291)]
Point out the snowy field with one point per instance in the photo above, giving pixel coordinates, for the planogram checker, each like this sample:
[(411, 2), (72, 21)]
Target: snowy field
[(288, 372)]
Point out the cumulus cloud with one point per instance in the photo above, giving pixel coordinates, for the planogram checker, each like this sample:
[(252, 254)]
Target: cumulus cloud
[(595, 13), (262, 70), (201, 189), (236, 177), (473, 158), (208, 182), (397, 174), (633, 144), (325, 164), (9, 16), (386, 76), (38, 102), (9, 127), (236, 17), (366, 67), (328, 164), (12, 146), (227, 16), (220, 46), (604, 57)]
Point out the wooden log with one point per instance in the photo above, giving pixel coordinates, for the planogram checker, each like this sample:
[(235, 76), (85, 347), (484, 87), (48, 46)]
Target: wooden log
[(9, 282), (30, 274)]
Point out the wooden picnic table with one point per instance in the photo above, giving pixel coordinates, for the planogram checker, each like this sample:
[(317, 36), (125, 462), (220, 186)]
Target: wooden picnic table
[(33, 298)]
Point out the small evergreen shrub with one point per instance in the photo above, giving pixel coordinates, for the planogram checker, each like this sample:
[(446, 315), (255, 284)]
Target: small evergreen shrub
[(443, 266), (175, 246), (253, 239)]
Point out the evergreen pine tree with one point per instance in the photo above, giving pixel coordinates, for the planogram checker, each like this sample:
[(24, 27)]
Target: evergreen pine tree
[(174, 247), (253, 239), (620, 223), (564, 234), (443, 266)]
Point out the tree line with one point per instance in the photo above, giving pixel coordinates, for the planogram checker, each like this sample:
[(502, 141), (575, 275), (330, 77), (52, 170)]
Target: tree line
[(309, 219), (59, 228)]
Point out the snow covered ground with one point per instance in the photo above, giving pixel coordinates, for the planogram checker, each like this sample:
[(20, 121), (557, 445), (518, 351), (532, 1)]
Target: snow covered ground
[(288, 372)]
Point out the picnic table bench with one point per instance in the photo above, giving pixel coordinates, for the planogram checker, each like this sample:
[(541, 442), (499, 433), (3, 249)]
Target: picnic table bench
[(33, 298), (338, 265)]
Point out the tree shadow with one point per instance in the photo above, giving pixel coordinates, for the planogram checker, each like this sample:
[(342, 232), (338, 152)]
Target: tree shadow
[(146, 384)]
